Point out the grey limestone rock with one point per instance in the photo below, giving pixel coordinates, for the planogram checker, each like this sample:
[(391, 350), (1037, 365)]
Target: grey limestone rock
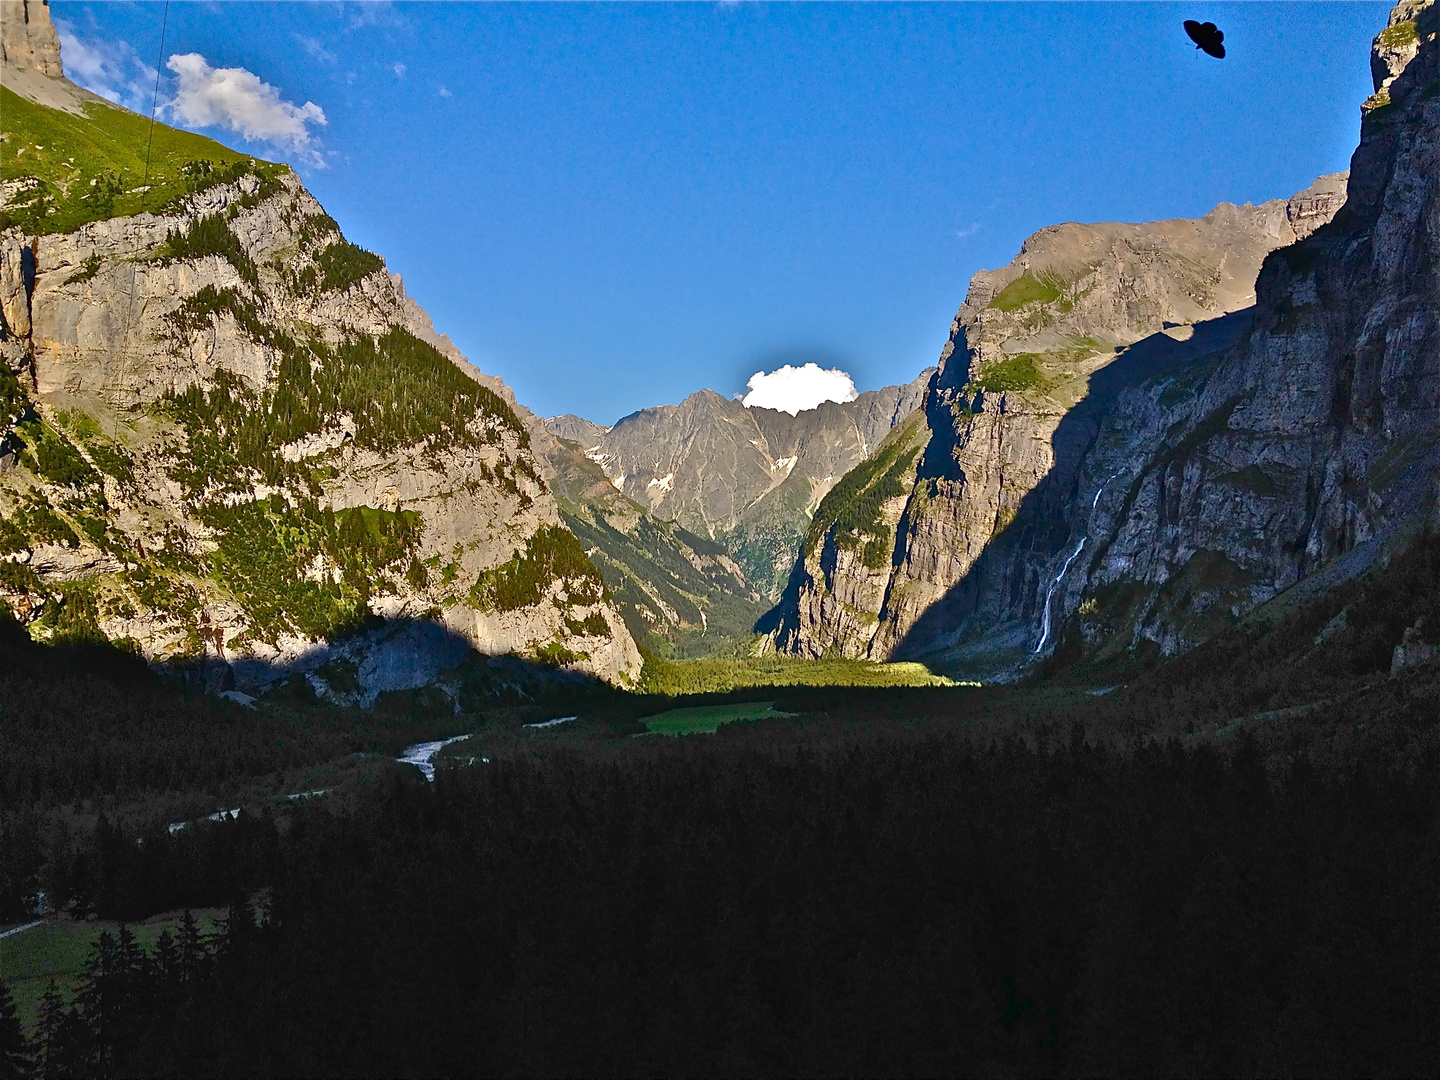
[(747, 477), (107, 332), (1036, 356), (28, 38), (1292, 460)]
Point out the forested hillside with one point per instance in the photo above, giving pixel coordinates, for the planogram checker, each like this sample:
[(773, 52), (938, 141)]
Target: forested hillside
[(233, 444)]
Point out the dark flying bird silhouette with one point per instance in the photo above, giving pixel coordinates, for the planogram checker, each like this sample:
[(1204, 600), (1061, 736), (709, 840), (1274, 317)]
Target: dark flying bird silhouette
[(1207, 36)]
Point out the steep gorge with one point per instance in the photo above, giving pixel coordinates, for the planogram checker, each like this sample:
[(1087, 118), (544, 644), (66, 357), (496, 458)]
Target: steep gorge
[(1041, 343), (1308, 452)]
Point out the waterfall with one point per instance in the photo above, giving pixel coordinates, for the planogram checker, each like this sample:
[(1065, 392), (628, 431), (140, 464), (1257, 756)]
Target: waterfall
[(1050, 595), (1050, 592)]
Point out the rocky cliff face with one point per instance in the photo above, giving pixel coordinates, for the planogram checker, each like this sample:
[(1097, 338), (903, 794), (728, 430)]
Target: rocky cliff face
[(231, 436), (747, 477), (951, 538), (1394, 48), (680, 594), (1293, 460), (1260, 455)]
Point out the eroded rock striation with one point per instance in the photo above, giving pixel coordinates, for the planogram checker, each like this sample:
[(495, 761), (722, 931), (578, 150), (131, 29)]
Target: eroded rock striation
[(231, 438)]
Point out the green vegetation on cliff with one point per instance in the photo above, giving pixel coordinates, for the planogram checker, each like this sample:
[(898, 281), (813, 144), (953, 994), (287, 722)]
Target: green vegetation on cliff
[(89, 167), (402, 391), (1010, 373), (1029, 289), (552, 557), (853, 505), (337, 267), (1399, 35), (398, 390), (301, 568), (48, 453), (199, 310), (211, 236)]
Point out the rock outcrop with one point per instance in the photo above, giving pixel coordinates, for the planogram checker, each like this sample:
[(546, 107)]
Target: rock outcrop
[(749, 478), (234, 440), (28, 38), (1394, 48), (1036, 354)]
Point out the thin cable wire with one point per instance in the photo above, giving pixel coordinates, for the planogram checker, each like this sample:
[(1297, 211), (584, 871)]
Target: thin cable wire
[(117, 385), (154, 102)]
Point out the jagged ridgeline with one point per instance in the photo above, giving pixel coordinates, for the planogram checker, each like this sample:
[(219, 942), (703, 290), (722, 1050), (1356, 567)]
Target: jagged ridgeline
[(230, 438), (749, 478)]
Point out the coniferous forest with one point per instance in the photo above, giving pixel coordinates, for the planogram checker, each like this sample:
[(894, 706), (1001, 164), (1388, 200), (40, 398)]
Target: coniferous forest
[(357, 721), (947, 881)]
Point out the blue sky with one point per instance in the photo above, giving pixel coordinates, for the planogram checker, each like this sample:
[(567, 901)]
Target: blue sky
[(612, 205)]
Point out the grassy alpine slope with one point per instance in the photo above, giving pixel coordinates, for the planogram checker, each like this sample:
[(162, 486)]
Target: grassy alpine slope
[(72, 169)]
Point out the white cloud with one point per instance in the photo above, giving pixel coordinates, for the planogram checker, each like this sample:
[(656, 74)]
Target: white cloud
[(112, 69), (236, 99), (445, 93), (795, 389), (399, 70), (370, 13), (316, 48), (969, 230)]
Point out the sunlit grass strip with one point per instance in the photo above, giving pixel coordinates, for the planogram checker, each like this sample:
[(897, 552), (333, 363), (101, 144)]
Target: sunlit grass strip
[(705, 719), (708, 675)]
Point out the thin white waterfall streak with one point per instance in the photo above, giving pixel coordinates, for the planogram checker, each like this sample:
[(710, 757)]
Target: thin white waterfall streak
[(1101, 490), (1050, 592)]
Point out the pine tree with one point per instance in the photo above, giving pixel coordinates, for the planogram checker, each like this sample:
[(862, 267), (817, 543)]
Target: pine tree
[(100, 1000), (192, 949), (14, 1051), (49, 1052), (167, 958)]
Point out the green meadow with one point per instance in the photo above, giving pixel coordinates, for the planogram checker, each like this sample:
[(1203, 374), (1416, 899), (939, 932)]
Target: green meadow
[(704, 719), (93, 166), (60, 949), (722, 674)]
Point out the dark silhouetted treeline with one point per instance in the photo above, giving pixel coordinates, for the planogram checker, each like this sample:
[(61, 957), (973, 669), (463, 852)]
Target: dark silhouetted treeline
[(1228, 866), (908, 901), (84, 720)]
